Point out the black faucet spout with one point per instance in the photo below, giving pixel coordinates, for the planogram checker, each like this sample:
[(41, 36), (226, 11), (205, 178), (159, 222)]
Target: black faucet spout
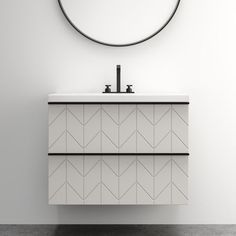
[(118, 82)]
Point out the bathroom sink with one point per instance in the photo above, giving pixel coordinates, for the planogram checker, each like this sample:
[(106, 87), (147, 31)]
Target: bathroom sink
[(116, 98)]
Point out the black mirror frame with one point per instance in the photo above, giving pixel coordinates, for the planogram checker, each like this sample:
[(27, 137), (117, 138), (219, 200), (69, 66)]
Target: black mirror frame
[(120, 45)]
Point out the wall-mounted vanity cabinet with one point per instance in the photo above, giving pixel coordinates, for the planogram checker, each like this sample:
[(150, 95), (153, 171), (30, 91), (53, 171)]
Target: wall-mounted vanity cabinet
[(118, 149)]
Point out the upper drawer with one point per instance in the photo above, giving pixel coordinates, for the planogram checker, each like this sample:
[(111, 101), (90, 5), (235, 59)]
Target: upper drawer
[(130, 128)]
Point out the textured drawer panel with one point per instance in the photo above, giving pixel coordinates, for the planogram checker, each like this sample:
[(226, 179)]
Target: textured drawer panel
[(118, 128), (57, 128), (113, 180), (179, 128)]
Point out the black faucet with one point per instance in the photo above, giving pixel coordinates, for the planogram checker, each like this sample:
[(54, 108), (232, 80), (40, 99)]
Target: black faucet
[(118, 83), (118, 69)]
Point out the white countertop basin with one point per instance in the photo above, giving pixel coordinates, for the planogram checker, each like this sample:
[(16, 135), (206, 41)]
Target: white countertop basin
[(101, 97)]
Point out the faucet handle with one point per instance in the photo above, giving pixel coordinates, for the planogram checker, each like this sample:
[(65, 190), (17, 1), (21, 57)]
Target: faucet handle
[(108, 89), (129, 88)]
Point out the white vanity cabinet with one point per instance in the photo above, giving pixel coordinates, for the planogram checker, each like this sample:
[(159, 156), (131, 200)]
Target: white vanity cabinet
[(118, 150)]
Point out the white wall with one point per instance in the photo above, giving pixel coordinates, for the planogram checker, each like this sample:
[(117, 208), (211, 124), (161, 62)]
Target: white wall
[(40, 53)]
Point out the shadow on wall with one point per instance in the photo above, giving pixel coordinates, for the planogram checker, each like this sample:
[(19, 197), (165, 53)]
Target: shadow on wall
[(115, 214)]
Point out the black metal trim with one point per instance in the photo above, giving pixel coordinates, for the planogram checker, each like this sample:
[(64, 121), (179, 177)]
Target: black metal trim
[(160, 103), (119, 45), (118, 154)]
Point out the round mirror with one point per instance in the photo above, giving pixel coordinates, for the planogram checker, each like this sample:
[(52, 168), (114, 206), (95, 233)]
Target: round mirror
[(119, 22)]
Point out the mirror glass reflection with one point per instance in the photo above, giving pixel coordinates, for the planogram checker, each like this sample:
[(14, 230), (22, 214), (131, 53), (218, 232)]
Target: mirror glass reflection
[(118, 22)]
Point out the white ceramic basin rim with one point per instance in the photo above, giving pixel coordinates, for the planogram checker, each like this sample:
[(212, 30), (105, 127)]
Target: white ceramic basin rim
[(101, 97)]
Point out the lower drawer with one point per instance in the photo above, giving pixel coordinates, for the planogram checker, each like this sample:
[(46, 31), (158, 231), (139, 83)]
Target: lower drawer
[(118, 180)]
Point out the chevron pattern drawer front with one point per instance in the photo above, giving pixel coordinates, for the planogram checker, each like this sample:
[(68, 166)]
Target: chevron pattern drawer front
[(118, 129), (113, 180), (131, 130)]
